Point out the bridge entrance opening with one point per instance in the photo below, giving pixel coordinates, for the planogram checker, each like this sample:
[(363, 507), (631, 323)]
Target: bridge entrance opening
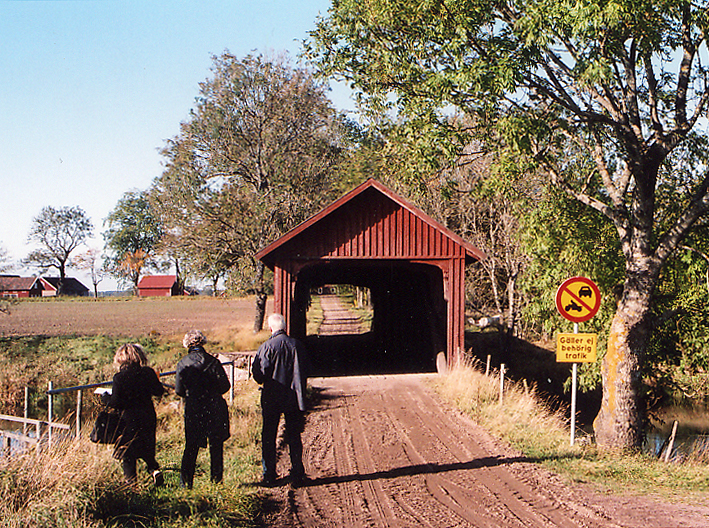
[(372, 318)]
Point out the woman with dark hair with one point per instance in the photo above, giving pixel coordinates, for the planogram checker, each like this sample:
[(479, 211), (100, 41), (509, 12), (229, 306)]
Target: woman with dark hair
[(134, 385), (201, 380)]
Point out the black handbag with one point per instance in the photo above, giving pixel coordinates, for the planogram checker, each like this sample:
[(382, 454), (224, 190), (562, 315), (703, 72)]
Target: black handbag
[(107, 428)]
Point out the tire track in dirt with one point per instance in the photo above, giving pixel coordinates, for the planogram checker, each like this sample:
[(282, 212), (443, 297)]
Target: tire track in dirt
[(381, 451), (500, 490)]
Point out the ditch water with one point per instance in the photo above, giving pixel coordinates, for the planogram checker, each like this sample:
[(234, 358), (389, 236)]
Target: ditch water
[(10, 445), (695, 446), (692, 438)]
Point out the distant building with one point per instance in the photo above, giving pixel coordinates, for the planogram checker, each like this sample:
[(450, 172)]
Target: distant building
[(22, 287), (16, 286), (71, 286), (159, 286)]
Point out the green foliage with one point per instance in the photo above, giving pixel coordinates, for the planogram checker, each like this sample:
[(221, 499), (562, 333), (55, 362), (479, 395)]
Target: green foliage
[(680, 348), (565, 239), (133, 232)]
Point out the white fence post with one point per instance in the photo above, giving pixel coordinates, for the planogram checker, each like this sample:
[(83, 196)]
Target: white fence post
[(79, 401), (27, 410), (50, 413), (502, 382)]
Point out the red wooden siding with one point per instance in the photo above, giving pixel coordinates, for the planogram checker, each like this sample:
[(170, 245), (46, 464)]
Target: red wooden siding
[(374, 226)]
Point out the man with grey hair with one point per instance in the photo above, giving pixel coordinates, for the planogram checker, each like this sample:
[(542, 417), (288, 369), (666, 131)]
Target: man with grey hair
[(280, 365)]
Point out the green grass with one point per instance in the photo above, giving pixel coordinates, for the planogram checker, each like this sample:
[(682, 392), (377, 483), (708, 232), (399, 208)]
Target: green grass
[(314, 316)]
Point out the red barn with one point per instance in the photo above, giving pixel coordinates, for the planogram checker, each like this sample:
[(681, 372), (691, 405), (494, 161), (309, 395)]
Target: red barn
[(159, 286), (16, 286)]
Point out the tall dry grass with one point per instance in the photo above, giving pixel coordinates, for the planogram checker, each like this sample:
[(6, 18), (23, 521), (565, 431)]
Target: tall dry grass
[(55, 488), (523, 418)]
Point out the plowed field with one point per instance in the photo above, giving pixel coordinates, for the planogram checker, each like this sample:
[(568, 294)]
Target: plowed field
[(127, 316)]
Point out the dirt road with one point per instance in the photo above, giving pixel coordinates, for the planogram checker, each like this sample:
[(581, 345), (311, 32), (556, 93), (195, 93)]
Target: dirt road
[(382, 451), (337, 318)]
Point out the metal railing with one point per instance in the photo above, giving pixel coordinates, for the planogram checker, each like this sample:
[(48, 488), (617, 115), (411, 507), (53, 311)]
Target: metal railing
[(49, 425)]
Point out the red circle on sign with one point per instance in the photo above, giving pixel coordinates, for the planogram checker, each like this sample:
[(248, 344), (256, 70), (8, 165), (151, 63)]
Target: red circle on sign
[(578, 299)]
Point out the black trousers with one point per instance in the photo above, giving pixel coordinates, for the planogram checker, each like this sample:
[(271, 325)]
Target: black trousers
[(189, 462), (129, 462), (272, 406)]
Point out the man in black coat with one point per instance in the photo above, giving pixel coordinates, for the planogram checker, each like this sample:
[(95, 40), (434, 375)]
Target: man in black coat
[(201, 380), (280, 366)]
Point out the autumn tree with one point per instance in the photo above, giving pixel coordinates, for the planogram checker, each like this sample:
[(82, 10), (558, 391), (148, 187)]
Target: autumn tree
[(90, 261), (58, 232), (133, 232), (604, 98), (254, 159)]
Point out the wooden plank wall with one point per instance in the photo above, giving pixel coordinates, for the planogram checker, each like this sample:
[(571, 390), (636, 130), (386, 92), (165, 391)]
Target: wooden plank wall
[(382, 229)]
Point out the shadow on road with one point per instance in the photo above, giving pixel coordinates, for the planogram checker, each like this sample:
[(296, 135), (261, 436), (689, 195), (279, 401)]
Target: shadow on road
[(417, 469)]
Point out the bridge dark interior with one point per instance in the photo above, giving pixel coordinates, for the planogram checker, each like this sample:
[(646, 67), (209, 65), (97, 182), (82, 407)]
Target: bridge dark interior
[(409, 318)]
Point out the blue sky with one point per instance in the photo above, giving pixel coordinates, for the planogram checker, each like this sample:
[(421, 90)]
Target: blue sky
[(91, 89)]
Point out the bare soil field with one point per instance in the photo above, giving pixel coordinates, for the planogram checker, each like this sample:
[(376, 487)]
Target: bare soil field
[(168, 317)]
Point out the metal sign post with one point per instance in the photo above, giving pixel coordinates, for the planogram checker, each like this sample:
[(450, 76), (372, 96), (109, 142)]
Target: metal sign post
[(574, 385), (577, 299)]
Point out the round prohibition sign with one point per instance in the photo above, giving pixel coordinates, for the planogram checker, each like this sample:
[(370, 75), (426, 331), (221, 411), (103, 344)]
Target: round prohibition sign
[(578, 299)]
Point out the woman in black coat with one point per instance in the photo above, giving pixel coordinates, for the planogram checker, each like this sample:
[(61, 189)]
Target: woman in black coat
[(134, 385), (201, 380)]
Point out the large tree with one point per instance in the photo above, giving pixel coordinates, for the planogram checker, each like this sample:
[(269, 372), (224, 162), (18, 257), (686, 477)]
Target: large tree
[(58, 232), (133, 234), (254, 159), (604, 97)]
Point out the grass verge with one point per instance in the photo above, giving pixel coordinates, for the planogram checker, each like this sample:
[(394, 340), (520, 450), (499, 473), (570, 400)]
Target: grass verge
[(79, 484), (528, 424)]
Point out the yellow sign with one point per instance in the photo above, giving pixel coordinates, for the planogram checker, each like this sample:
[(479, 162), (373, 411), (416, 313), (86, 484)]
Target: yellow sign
[(576, 348)]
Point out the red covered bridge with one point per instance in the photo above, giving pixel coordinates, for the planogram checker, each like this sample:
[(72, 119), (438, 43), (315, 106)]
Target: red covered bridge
[(413, 266)]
